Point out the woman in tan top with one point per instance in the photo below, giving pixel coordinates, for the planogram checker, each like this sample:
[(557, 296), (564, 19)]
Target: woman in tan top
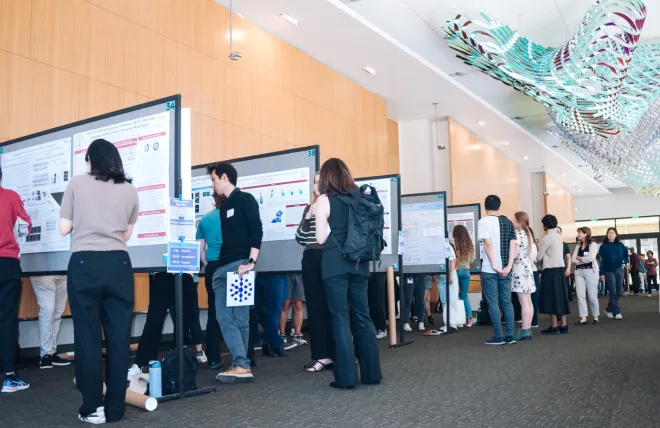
[(100, 208)]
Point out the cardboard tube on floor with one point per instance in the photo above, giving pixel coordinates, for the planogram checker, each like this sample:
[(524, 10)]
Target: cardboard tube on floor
[(137, 400), (391, 305)]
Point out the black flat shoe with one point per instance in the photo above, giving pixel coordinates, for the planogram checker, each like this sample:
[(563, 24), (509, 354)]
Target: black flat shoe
[(550, 330), (564, 329), (336, 385), (596, 322), (580, 323)]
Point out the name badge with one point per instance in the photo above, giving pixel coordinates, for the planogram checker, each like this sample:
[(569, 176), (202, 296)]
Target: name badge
[(586, 253), (230, 213)]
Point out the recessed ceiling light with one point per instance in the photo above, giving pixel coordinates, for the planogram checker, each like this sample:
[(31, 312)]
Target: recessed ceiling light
[(572, 183), (481, 123), (506, 143), (525, 157), (369, 70), (563, 174), (578, 209), (288, 18), (579, 190)]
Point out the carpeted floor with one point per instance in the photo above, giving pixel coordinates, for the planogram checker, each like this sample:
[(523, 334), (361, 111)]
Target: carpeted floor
[(597, 376)]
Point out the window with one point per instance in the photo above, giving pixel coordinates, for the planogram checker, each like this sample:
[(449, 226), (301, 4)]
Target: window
[(598, 227), (629, 226)]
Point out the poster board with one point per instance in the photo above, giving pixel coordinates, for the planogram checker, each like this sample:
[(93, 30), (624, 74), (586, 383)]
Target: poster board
[(389, 192), (424, 231), (282, 184), (39, 166), (468, 215)]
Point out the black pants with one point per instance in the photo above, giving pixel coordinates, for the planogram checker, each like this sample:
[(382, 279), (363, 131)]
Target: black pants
[(377, 296), (652, 281), (161, 299), (192, 333), (10, 297), (213, 334), (101, 295), (413, 286), (636, 285), (318, 315), (517, 309)]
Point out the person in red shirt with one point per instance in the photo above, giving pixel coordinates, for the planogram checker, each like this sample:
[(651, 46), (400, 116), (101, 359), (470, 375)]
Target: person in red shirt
[(11, 209)]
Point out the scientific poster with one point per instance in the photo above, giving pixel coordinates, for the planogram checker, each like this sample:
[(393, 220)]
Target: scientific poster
[(466, 219), (282, 197), (144, 147), (384, 188), (424, 233), (40, 174)]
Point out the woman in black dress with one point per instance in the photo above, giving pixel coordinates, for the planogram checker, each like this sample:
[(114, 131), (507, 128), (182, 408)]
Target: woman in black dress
[(345, 283)]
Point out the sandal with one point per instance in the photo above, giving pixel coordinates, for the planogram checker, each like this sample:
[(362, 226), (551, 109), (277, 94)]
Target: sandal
[(313, 368)]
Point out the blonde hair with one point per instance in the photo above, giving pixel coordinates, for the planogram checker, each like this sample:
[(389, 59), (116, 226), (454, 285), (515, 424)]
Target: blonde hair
[(523, 219), (314, 197)]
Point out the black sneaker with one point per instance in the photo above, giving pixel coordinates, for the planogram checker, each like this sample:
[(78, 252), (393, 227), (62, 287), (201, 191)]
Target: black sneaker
[(550, 330), (46, 362), (564, 329), (60, 362), (429, 320)]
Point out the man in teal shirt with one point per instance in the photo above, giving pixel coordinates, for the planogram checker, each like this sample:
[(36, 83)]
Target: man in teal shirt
[(209, 235)]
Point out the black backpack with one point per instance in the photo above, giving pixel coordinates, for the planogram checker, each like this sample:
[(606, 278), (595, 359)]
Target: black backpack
[(483, 316), (364, 241), (171, 371)]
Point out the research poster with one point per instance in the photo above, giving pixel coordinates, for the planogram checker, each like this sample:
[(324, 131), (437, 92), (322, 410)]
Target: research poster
[(282, 197), (384, 188), (144, 147), (424, 233), (40, 174), (466, 219)]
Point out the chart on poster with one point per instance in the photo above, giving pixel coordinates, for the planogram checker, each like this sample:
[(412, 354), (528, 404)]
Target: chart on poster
[(40, 174), (384, 188), (143, 145), (282, 197), (465, 219), (424, 233)]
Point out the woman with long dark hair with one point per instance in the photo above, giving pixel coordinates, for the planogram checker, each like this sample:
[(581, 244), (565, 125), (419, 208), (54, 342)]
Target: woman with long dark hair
[(102, 208), (318, 315), (613, 255), (464, 258), (345, 283), (522, 273), (586, 275), (554, 286)]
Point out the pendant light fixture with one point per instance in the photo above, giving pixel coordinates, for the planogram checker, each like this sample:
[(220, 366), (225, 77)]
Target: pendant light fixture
[(234, 56)]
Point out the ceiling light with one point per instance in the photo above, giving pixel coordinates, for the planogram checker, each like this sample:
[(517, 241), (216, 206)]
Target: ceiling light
[(369, 70), (563, 174), (288, 18), (579, 190), (481, 123), (525, 157), (506, 143), (572, 183), (578, 209)]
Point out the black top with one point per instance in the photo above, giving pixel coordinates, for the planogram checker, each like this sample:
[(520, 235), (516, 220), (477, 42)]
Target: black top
[(241, 227), (567, 250), (334, 263)]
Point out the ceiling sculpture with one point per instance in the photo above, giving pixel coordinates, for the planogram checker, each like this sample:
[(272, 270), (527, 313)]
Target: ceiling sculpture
[(600, 88)]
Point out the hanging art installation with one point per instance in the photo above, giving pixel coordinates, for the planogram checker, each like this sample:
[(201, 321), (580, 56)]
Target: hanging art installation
[(600, 88)]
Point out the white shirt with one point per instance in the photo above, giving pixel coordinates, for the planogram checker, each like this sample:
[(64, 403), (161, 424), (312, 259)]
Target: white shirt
[(489, 228)]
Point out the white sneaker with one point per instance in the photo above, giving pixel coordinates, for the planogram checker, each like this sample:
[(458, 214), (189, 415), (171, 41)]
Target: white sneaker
[(618, 317), (298, 339), (421, 326), (201, 357), (381, 334), (95, 418), (610, 315), (407, 327), (132, 372)]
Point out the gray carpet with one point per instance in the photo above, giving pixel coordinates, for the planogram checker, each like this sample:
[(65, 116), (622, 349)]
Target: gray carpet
[(597, 376)]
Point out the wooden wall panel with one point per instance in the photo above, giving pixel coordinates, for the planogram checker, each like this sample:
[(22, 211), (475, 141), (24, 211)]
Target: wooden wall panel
[(67, 60), (478, 170)]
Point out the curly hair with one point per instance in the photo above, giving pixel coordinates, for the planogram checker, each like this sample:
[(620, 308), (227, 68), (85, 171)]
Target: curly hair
[(464, 245)]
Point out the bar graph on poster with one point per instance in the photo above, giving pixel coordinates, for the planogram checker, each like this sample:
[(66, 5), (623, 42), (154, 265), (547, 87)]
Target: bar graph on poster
[(40, 174), (281, 195), (143, 145), (465, 219), (384, 188)]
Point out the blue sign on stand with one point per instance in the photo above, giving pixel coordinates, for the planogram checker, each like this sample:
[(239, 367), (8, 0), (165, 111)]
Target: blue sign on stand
[(182, 257)]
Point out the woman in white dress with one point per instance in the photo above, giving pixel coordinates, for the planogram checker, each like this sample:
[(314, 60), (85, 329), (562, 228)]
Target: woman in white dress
[(522, 273)]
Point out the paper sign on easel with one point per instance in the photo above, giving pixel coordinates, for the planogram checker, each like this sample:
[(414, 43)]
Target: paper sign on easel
[(240, 289)]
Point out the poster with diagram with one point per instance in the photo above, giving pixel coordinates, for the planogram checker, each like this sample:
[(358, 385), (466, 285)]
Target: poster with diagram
[(282, 197), (465, 219), (423, 227), (384, 188), (143, 145), (40, 174)]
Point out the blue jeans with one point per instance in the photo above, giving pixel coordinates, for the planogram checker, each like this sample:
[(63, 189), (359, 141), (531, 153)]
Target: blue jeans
[(614, 282), (535, 298), (234, 321), (271, 292), (463, 289), (497, 290), (349, 311)]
